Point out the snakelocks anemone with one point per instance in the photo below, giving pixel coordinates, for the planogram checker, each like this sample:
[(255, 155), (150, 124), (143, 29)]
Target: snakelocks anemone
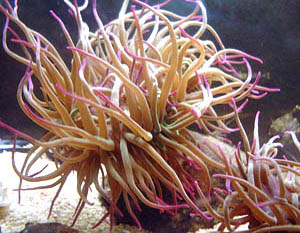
[(123, 108)]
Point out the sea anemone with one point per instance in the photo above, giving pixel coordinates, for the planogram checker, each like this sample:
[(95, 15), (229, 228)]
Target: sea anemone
[(134, 87), (266, 188)]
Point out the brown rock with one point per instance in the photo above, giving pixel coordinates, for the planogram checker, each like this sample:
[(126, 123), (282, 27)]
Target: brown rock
[(47, 228)]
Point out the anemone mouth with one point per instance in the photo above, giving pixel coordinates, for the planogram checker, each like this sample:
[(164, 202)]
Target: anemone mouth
[(135, 86)]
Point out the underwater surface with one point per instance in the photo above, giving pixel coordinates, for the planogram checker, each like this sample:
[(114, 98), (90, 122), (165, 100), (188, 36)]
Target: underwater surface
[(265, 29)]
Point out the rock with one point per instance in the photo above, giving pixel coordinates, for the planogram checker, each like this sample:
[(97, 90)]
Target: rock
[(4, 202), (290, 121), (47, 228), (8, 145)]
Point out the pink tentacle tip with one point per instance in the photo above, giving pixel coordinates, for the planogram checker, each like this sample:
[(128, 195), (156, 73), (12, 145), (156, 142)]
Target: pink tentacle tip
[(222, 191), (119, 54), (173, 93), (228, 188), (195, 113), (83, 65), (217, 175), (199, 126), (277, 137), (22, 42), (257, 115), (200, 83), (243, 105), (260, 96), (71, 13), (256, 92), (208, 218), (223, 139), (172, 104), (133, 7), (30, 83), (59, 87), (197, 17), (233, 102)]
